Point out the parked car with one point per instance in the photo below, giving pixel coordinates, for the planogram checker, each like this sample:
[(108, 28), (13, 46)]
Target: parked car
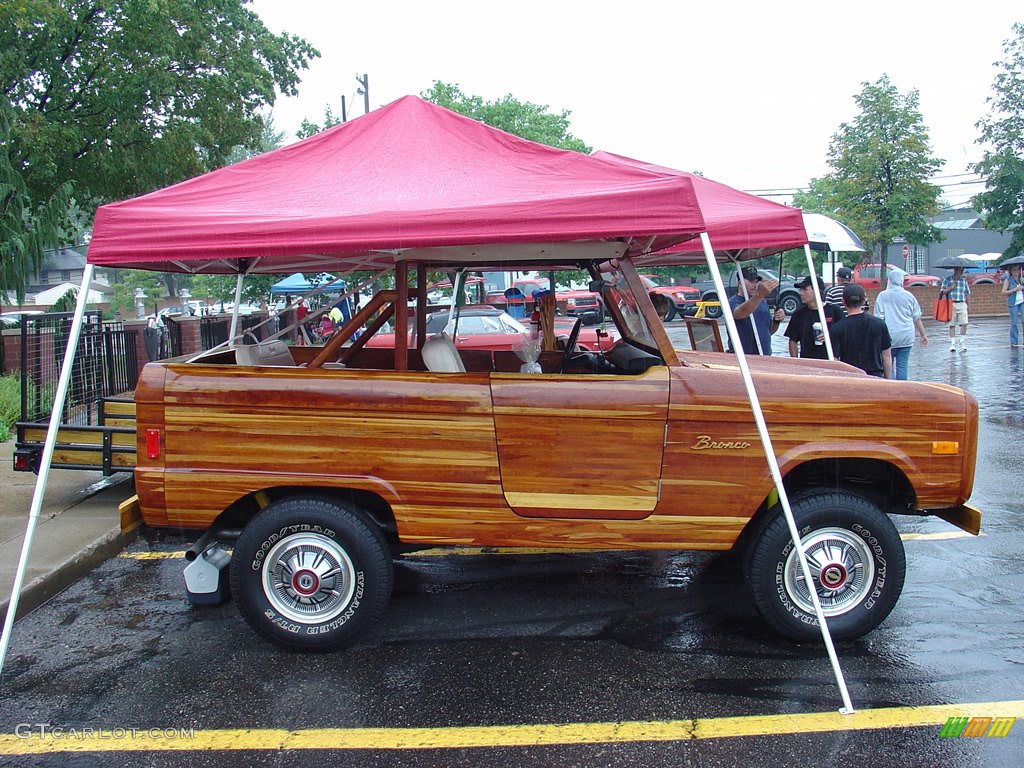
[(574, 303), (481, 327), (868, 275), (684, 298), (13, 319), (786, 296), (982, 275)]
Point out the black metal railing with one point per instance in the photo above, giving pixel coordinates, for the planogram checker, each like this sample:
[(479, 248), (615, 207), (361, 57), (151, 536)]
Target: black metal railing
[(104, 365)]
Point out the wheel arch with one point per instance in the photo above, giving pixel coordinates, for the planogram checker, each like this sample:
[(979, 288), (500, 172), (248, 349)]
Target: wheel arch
[(371, 505), (881, 482)]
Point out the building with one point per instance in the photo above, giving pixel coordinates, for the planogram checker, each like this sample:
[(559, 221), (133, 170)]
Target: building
[(963, 232)]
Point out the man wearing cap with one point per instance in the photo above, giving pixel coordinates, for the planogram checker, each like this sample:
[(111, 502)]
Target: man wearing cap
[(805, 334), (860, 339), (834, 294), (752, 312)]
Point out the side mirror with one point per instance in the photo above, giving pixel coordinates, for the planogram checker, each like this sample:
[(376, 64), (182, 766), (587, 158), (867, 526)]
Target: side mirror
[(597, 286)]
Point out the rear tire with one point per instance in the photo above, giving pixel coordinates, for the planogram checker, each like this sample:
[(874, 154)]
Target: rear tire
[(713, 312), (790, 303), (856, 560), (310, 574)]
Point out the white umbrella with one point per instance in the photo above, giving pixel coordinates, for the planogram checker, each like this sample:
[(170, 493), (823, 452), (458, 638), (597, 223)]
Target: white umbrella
[(827, 234)]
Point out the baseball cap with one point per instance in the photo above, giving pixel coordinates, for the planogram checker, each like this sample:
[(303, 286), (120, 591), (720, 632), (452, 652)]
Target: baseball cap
[(844, 272), (854, 293), (806, 282), (751, 273)]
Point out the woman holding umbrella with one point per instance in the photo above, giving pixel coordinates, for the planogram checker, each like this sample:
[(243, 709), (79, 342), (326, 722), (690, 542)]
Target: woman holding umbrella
[(1013, 290)]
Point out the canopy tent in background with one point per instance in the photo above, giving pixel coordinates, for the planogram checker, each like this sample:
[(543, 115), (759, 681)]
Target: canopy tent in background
[(410, 175), (739, 224), (298, 284)]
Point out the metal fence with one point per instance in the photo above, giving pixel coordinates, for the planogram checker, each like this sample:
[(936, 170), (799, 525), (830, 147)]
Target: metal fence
[(215, 330), (105, 365)]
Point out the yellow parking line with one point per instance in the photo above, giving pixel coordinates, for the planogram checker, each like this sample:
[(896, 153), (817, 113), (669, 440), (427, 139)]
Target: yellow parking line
[(152, 555), (941, 536), (29, 742)]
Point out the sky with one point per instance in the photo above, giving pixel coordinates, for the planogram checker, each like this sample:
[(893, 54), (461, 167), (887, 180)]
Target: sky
[(747, 93)]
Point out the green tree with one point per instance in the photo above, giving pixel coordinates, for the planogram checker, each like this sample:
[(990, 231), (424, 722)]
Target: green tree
[(523, 119), (1002, 129), (270, 139), (125, 96), (308, 128), (26, 228), (881, 163)]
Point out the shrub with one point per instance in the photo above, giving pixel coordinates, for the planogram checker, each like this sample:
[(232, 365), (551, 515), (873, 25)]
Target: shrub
[(10, 404)]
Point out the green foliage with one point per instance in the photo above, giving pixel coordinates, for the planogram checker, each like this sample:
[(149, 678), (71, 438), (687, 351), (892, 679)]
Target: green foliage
[(523, 119), (307, 128), (27, 228), (1002, 129), (881, 163), (126, 96), (10, 404)]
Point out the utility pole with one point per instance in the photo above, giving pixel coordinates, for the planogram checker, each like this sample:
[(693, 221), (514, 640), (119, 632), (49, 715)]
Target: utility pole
[(344, 117), (364, 89)]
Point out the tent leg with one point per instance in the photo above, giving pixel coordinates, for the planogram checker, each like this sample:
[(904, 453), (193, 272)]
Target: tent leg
[(820, 300), (234, 315), (773, 465), (46, 459)]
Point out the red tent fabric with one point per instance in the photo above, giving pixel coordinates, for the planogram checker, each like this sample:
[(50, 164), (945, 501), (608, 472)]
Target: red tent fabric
[(408, 175), (743, 225)]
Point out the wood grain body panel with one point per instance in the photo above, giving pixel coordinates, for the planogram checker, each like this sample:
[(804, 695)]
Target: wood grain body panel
[(230, 432), (581, 446), (678, 447)]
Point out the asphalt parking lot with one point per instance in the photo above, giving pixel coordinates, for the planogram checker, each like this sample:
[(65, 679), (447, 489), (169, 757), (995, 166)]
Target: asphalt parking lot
[(493, 658)]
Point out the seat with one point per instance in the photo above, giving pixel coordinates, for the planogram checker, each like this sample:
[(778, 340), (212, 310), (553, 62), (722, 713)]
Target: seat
[(274, 353), (440, 354)]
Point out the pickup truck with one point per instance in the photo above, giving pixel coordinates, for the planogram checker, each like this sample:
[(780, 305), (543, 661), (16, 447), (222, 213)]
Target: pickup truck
[(583, 304), (316, 466), (682, 298), (868, 276), (786, 296)]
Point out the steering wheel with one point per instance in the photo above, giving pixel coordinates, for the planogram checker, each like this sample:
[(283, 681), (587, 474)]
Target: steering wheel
[(570, 345)]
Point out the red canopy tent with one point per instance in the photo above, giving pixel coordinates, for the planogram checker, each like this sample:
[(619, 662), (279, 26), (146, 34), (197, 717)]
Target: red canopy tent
[(410, 175), (741, 225)]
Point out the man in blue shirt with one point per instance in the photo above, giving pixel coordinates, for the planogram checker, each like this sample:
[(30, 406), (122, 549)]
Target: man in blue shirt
[(957, 289), (753, 312)]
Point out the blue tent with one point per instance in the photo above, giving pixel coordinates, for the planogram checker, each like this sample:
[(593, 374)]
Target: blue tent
[(297, 284)]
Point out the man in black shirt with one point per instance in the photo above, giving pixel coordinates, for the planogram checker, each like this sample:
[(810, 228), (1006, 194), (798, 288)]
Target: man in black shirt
[(862, 340), (806, 340)]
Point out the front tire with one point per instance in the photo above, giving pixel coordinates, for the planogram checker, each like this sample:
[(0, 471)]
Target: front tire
[(856, 560), (310, 574), (789, 304), (713, 312)]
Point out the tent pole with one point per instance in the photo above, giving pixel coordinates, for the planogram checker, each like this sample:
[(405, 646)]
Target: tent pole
[(820, 301), (773, 465), (234, 314), (46, 459)]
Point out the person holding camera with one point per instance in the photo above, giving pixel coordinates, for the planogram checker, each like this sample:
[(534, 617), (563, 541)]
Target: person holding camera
[(805, 334)]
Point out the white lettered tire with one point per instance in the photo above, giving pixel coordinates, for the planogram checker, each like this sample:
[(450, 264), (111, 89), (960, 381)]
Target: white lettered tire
[(310, 574), (856, 560)]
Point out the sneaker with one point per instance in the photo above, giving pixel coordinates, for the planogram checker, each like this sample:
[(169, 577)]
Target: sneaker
[(952, 345), (963, 346)]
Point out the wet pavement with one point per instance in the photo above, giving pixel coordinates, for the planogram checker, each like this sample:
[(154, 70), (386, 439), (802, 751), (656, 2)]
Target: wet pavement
[(514, 643)]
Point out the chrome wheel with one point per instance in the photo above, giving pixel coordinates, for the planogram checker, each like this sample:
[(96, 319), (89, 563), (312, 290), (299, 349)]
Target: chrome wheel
[(308, 578), (842, 568)]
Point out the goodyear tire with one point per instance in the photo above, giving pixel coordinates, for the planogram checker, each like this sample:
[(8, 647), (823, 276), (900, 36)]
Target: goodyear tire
[(856, 561), (310, 574)]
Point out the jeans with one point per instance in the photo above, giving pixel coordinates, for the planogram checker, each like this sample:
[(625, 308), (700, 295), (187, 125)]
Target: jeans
[(900, 362), (1016, 316)]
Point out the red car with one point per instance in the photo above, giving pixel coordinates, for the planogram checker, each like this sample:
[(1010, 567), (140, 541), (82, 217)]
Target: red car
[(481, 327), (684, 298)]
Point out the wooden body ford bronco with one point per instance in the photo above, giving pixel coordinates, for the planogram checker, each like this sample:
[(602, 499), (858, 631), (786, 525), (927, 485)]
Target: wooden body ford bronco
[(316, 465)]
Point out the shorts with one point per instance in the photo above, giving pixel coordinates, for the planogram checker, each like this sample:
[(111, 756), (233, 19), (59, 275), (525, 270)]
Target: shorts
[(959, 316)]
